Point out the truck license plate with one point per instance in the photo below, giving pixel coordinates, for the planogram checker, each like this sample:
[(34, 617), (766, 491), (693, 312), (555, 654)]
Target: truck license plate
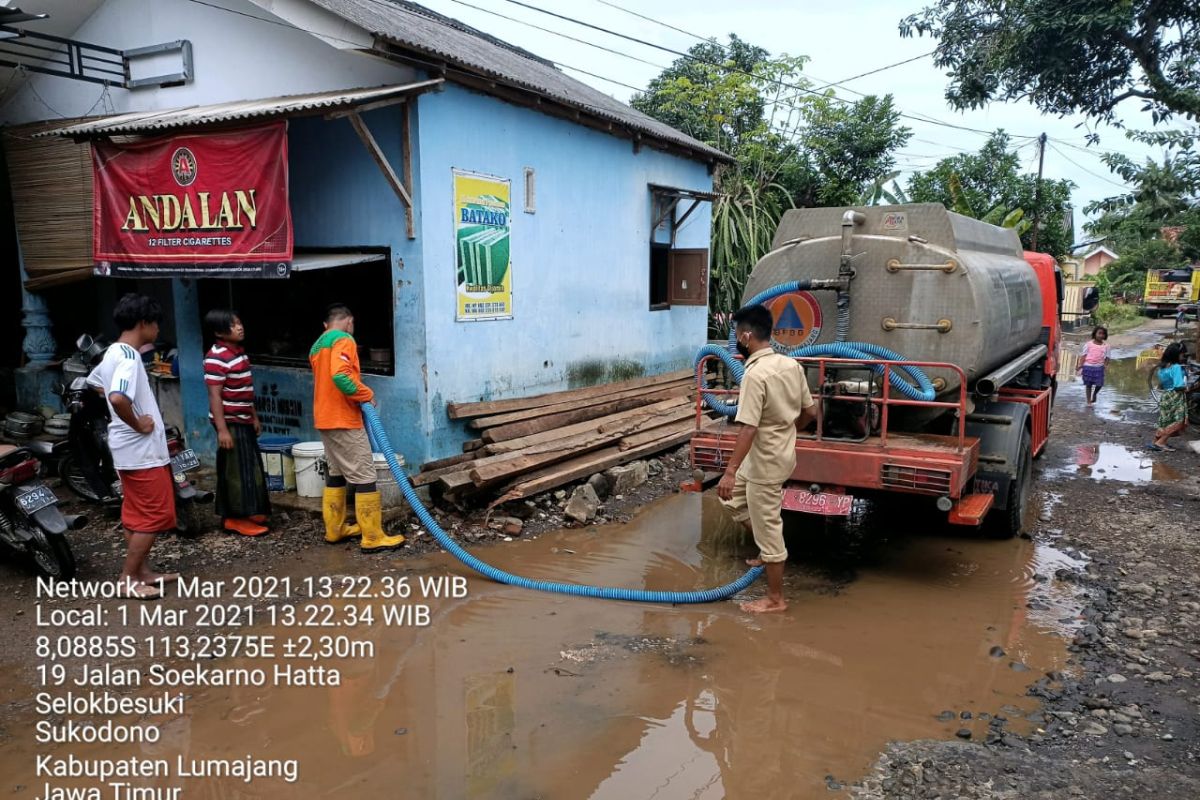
[(34, 498), (825, 503), (185, 461)]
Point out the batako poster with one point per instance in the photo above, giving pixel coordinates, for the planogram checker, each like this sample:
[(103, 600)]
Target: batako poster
[(483, 268), (211, 205)]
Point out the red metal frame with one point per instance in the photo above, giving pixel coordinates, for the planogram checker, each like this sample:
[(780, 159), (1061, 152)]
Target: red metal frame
[(890, 461), (1038, 401)]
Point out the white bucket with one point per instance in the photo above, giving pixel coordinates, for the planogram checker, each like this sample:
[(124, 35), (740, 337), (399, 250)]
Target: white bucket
[(309, 458), (389, 491)]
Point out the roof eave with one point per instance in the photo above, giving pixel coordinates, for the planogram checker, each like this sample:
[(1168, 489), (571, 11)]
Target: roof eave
[(492, 80)]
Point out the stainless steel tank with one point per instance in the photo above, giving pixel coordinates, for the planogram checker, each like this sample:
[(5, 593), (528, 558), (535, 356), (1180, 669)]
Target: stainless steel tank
[(929, 284)]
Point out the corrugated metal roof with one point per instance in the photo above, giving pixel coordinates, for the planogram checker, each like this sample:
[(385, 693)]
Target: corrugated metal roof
[(415, 28), (192, 116)]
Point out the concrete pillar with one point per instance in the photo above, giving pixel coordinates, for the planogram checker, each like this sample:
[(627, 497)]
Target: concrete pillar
[(35, 382), (39, 344), (189, 338)]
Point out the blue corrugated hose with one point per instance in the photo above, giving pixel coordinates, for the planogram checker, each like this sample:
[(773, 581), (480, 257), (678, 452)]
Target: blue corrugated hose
[(381, 444), (911, 382)]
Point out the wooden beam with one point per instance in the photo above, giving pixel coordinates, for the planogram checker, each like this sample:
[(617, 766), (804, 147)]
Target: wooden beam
[(447, 462), (406, 165), (403, 96), (499, 420), (364, 133), (546, 448), (486, 408), (583, 466), (603, 423), (515, 430)]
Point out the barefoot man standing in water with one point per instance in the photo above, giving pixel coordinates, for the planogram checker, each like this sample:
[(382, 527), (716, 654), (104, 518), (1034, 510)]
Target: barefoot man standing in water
[(774, 403)]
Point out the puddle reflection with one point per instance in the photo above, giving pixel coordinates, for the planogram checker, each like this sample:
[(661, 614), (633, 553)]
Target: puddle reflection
[(515, 694), (1115, 462)]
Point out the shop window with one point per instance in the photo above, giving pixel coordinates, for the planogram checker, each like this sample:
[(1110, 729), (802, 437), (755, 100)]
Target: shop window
[(678, 276), (284, 317), (660, 287)]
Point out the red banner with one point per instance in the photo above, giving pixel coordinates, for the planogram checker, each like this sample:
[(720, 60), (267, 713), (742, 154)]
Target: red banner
[(211, 205)]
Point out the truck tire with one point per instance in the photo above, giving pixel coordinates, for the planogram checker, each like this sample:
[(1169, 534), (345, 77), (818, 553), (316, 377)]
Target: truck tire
[(1006, 523)]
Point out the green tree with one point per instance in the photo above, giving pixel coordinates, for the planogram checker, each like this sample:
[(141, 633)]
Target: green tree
[(844, 149), (989, 185), (715, 95), (792, 146), (1085, 56), (1165, 192)]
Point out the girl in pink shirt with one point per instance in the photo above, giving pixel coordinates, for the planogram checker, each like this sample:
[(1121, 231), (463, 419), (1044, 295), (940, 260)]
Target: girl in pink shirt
[(1092, 360)]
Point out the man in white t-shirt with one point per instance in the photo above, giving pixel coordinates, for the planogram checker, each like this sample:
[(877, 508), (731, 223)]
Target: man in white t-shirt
[(138, 443)]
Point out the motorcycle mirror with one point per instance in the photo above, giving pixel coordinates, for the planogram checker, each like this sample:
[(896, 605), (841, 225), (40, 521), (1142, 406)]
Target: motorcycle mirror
[(59, 388), (84, 342), (1091, 298)]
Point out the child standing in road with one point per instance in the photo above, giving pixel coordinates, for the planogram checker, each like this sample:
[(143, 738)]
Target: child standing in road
[(1172, 403), (242, 500), (1092, 361)]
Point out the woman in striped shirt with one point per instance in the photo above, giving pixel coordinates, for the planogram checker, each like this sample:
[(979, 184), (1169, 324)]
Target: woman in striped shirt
[(242, 499)]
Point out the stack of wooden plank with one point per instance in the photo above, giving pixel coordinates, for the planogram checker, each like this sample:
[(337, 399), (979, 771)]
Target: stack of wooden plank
[(527, 445)]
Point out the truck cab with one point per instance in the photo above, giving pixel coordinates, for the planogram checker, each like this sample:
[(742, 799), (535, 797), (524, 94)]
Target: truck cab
[(1167, 289)]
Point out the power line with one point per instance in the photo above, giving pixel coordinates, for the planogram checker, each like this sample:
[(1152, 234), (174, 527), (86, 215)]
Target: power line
[(658, 22), (383, 3), (281, 24), (436, 66), (564, 36), (1124, 186), (709, 40), (689, 56)]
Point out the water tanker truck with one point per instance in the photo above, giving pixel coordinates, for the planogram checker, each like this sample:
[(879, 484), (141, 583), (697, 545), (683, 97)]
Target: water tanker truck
[(929, 341)]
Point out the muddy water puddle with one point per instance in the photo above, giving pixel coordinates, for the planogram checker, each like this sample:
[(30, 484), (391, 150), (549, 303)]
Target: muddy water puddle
[(518, 694), (1113, 462), (1126, 389)]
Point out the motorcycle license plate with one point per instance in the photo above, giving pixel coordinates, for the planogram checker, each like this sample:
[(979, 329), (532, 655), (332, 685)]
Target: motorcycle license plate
[(185, 461), (825, 503), (31, 499)]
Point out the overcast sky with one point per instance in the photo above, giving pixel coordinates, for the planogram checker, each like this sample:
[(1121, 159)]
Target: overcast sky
[(842, 40)]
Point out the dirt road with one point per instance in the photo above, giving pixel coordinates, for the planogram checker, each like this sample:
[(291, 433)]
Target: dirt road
[(915, 661)]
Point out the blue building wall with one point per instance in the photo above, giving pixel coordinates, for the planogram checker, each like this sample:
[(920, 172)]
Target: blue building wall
[(580, 263), (339, 198)]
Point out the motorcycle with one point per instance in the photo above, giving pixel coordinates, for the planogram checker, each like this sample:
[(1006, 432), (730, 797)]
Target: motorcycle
[(84, 460), (30, 520)]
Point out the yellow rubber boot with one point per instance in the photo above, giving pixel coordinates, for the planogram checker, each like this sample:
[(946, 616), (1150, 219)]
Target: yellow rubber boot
[(369, 507), (333, 510)]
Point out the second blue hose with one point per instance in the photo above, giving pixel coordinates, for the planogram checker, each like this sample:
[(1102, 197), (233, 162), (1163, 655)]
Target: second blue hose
[(382, 444)]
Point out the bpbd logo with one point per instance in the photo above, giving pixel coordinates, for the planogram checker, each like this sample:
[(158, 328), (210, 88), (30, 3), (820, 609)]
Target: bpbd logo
[(797, 317)]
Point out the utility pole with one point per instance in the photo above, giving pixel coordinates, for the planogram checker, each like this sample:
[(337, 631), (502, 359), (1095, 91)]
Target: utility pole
[(1037, 192)]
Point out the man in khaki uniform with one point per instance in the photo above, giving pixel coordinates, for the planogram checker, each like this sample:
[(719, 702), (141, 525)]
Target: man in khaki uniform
[(774, 403)]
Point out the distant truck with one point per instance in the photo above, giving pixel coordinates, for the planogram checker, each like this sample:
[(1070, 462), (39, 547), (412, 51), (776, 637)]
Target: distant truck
[(1167, 289), (958, 299)]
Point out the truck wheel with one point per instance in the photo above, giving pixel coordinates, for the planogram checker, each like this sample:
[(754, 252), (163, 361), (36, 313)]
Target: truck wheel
[(1006, 523)]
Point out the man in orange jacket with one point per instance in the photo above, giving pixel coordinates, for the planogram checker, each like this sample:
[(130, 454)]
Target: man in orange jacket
[(338, 391)]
